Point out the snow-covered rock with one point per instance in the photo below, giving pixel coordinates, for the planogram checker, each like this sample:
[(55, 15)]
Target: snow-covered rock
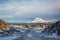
[(38, 20)]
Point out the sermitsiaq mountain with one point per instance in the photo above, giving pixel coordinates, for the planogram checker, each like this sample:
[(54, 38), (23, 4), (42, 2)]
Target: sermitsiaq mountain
[(54, 28), (39, 20)]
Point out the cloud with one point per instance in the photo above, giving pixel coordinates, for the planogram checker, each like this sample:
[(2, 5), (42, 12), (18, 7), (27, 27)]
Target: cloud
[(6, 16), (25, 7), (28, 8)]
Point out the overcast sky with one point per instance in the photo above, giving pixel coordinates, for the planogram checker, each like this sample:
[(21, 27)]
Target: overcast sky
[(16, 11)]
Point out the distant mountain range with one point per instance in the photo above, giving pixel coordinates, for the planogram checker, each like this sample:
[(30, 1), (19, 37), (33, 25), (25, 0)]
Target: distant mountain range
[(39, 20)]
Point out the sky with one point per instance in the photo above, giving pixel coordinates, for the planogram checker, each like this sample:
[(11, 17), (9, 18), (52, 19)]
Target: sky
[(20, 11)]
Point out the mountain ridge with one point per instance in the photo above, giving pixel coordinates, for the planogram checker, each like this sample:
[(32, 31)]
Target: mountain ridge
[(38, 20)]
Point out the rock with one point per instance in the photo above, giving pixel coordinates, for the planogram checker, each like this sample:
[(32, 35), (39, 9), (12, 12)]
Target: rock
[(54, 28), (3, 25)]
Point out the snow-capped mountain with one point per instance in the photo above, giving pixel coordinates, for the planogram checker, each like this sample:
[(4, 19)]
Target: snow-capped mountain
[(38, 20)]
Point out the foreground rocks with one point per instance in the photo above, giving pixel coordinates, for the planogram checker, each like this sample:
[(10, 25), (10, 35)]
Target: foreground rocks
[(36, 38), (3, 25), (22, 34), (31, 34), (54, 28)]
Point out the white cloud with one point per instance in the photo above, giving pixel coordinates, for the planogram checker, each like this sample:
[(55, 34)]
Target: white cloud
[(24, 8), (6, 16)]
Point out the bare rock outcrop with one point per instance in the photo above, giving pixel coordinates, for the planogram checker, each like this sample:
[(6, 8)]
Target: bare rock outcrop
[(3, 25)]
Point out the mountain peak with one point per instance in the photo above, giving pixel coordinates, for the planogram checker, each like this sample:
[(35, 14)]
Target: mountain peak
[(38, 20)]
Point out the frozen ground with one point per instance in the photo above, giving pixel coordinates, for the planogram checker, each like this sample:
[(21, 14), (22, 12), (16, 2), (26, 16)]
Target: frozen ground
[(21, 34)]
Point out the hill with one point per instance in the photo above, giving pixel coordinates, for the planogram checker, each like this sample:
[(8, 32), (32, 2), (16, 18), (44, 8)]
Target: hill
[(3, 25)]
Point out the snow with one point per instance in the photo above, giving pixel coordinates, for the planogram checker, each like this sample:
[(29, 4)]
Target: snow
[(53, 36), (38, 20), (8, 38), (30, 35), (38, 31)]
